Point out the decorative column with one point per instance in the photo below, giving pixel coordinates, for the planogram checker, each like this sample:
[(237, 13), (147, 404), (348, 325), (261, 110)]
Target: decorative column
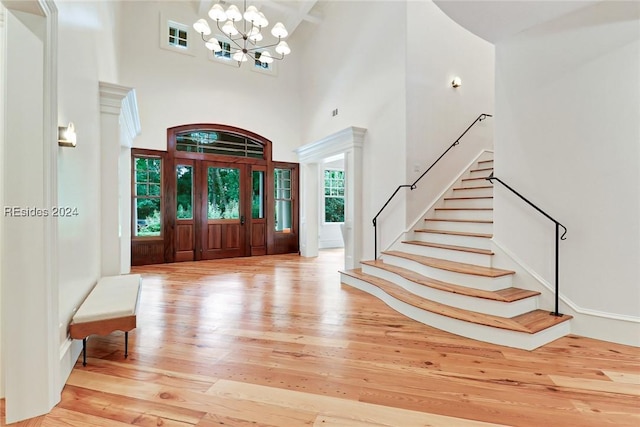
[(119, 125)]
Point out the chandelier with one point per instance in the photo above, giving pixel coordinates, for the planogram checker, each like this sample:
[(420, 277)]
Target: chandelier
[(243, 36)]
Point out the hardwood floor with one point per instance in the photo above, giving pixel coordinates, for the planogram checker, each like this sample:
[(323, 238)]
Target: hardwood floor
[(276, 341)]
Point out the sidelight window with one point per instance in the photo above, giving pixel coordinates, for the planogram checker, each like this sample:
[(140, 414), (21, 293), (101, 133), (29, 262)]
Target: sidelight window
[(283, 201), (147, 196)]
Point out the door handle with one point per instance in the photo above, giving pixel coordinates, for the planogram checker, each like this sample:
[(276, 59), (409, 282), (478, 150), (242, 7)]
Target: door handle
[(242, 220)]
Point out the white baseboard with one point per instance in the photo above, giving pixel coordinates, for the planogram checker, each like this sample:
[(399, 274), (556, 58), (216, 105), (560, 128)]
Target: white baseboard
[(69, 351), (613, 327)]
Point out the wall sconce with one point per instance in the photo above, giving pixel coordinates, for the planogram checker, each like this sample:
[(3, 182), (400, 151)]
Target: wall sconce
[(456, 82), (67, 136)]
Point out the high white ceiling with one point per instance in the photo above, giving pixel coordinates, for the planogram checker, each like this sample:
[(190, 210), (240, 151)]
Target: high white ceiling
[(496, 20)]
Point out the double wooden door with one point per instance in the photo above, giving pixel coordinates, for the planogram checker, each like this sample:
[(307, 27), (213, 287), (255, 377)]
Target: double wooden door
[(226, 215)]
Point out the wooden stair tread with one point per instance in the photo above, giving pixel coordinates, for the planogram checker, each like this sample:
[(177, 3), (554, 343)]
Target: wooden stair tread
[(503, 295), (474, 179), (481, 221), (482, 169), (538, 320), (454, 233), (464, 209), (450, 247), (512, 324), (473, 188), (485, 161), (457, 267), (469, 198)]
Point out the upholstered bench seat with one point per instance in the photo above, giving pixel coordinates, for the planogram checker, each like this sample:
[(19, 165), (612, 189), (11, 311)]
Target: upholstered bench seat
[(111, 305)]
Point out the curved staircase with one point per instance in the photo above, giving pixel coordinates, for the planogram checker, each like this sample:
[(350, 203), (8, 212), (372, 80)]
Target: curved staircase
[(443, 274)]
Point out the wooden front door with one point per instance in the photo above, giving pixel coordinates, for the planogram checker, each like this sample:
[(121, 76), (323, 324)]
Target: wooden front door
[(224, 204)]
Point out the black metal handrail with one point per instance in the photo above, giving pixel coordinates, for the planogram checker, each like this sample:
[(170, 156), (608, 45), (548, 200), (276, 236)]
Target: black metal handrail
[(480, 118), (490, 178)]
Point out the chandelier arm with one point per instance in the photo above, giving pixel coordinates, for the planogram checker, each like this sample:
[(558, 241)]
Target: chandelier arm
[(254, 50), (276, 58), (235, 41), (269, 45)]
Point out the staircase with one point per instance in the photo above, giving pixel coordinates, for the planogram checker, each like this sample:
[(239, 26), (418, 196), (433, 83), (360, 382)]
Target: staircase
[(443, 275)]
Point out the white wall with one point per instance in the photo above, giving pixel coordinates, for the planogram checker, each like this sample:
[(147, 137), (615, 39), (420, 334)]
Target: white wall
[(175, 89), (350, 64), (567, 107), (86, 56), (437, 50)]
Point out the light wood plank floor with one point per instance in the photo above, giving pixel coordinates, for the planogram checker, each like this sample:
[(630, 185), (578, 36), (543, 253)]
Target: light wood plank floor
[(277, 341)]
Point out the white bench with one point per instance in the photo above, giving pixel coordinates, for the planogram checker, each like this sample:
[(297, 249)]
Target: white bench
[(111, 306)]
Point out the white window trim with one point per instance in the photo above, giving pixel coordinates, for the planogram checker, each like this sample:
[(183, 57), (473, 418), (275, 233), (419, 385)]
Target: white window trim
[(192, 37)]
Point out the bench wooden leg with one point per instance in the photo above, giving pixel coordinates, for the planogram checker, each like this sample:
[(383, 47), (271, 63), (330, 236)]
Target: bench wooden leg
[(84, 352), (126, 344)]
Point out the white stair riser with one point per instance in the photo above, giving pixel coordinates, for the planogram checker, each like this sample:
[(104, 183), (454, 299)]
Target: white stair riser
[(471, 192), (474, 183), (448, 254), (489, 334), (483, 164), (463, 214), (468, 203), (468, 280), (480, 173), (453, 239), (464, 227), (480, 305)]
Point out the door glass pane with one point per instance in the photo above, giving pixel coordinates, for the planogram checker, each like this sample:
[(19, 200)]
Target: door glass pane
[(184, 197), (283, 205), (223, 193), (257, 197)]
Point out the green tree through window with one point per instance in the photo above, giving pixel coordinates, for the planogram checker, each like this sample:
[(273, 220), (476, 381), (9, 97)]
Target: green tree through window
[(147, 196), (333, 195)]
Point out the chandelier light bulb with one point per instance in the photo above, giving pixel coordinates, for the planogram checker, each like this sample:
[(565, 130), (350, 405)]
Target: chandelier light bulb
[(229, 29), (233, 13), (240, 56), (283, 48), (202, 27), (262, 22), (256, 37), (213, 44), (251, 14), (265, 57), (279, 31), (217, 13)]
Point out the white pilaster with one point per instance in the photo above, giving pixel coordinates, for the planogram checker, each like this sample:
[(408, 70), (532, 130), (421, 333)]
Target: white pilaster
[(119, 125), (309, 224)]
